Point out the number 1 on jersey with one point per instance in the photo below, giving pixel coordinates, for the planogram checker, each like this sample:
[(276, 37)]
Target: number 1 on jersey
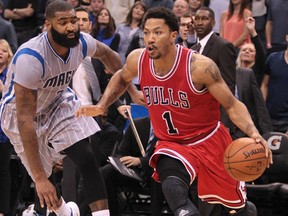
[(169, 123)]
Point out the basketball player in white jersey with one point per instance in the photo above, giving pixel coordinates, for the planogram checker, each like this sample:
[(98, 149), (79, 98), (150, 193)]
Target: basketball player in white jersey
[(38, 108), (183, 92)]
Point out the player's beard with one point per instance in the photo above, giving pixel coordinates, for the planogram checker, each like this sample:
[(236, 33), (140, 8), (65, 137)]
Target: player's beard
[(62, 39)]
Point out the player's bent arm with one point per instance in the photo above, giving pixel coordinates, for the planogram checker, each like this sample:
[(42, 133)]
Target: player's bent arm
[(115, 88), (112, 61), (207, 72), (237, 111), (120, 80), (26, 111), (108, 57)]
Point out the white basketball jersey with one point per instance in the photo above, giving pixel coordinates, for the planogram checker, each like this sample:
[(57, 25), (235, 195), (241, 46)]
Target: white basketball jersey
[(37, 66)]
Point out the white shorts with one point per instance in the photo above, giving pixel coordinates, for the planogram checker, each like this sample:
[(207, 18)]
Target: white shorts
[(56, 125)]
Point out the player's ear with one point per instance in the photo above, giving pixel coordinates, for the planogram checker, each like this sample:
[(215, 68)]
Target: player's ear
[(173, 36), (47, 25)]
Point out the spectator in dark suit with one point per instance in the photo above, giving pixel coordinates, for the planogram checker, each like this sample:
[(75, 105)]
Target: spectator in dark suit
[(248, 91), (130, 155), (218, 49)]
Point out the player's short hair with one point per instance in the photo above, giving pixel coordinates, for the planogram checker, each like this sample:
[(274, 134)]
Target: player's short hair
[(162, 13), (57, 6)]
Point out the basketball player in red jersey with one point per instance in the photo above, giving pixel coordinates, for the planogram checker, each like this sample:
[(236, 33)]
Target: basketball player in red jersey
[(183, 92)]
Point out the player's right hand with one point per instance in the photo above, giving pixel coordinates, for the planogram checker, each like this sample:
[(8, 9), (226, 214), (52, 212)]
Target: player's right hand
[(91, 110), (47, 194)]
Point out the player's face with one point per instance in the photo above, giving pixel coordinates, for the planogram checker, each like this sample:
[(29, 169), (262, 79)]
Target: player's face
[(64, 29), (84, 22), (203, 23), (158, 38)]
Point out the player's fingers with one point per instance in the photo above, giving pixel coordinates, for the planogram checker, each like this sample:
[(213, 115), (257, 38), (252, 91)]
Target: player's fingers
[(41, 200)]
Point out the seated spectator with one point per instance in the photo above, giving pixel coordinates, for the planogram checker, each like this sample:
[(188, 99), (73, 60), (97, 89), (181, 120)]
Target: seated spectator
[(186, 31), (5, 145), (130, 27), (130, 156), (159, 3), (24, 18), (232, 26), (104, 29), (194, 5), (180, 7), (74, 3), (95, 5), (7, 31), (252, 55)]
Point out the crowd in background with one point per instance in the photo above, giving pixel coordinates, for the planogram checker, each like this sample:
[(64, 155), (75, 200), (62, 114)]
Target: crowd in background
[(247, 39)]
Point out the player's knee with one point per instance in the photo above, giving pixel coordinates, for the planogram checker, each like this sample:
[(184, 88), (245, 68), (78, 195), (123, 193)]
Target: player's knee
[(249, 210), (176, 194)]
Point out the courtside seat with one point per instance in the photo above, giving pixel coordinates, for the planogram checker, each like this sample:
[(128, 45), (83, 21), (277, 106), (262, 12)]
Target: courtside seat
[(265, 191)]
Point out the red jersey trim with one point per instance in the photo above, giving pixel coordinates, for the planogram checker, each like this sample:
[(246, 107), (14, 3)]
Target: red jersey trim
[(140, 62), (173, 69)]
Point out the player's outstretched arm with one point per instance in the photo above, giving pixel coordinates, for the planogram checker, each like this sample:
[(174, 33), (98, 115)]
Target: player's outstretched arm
[(117, 85), (112, 61), (26, 100), (207, 73)]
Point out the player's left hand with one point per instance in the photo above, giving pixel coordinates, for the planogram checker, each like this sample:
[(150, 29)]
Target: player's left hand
[(137, 97), (130, 161), (91, 110), (259, 139)]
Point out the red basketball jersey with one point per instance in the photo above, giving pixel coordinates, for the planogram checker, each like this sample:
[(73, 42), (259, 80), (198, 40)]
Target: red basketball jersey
[(177, 110)]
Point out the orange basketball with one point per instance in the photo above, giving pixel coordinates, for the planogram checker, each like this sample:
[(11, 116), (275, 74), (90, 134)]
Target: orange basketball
[(245, 160)]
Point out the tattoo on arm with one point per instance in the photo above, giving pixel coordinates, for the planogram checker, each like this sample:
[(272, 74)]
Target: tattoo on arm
[(213, 72)]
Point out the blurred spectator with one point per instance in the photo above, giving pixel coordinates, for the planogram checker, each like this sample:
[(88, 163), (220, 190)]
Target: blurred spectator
[(232, 26), (95, 5), (24, 18), (252, 55), (7, 31), (130, 156), (158, 3), (5, 145), (218, 6), (119, 9), (180, 7), (277, 25), (130, 27), (186, 31), (86, 4), (104, 29), (74, 3), (259, 11), (194, 5), (41, 11), (274, 88)]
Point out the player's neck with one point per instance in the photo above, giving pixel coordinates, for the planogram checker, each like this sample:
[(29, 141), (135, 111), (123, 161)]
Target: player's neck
[(164, 64)]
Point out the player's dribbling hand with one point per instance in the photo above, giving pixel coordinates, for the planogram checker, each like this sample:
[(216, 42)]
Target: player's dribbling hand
[(260, 139), (90, 111), (47, 194)]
